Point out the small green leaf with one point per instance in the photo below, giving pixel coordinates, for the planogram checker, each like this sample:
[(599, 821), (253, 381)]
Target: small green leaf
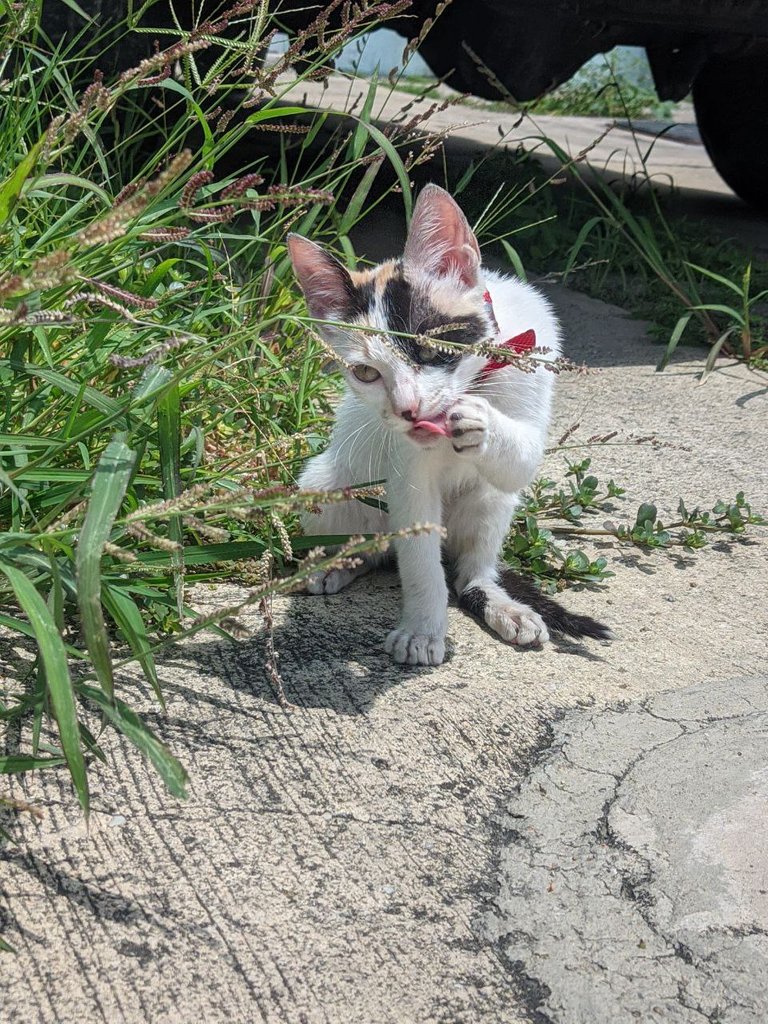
[(647, 513)]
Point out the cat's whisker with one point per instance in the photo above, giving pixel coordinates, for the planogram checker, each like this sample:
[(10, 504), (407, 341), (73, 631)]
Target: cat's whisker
[(375, 469), (357, 442), (350, 439), (338, 452)]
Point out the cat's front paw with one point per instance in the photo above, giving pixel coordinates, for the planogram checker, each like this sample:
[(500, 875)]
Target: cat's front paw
[(517, 624), (407, 648), (468, 424)]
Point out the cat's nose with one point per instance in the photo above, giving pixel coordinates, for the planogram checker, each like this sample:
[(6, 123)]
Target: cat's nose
[(409, 414)]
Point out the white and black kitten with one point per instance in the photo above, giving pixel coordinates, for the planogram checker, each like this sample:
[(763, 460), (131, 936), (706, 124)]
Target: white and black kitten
[(455, 437)]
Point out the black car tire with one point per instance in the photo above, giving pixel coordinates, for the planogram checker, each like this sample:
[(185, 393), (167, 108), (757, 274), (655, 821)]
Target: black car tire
[(731, 100)]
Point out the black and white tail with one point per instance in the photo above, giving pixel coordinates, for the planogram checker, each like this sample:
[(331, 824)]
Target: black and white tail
[(529, 616)]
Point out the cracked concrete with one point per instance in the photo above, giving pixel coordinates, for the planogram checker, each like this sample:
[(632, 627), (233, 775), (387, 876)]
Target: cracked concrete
[(348, 863), (634, 882)]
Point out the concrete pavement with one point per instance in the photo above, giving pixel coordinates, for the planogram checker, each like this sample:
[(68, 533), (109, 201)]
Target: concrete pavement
[(679, 157), (571, 835), (634, 877)]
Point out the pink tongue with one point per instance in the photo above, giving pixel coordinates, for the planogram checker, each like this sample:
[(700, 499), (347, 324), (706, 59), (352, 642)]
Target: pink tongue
[(434, 426)]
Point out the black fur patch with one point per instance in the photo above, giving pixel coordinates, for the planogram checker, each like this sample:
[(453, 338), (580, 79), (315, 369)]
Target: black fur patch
[(410, 311), (360, 297), (557, 618), (474, 600)]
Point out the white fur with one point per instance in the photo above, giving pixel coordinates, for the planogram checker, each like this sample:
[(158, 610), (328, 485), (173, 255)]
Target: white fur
[(469, 484)]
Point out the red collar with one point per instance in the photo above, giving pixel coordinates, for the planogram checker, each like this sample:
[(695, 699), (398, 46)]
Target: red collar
[(520, 343)]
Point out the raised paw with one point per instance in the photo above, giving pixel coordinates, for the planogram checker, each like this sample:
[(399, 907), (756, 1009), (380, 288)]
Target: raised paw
[(517, 624), (330, 582), (408, 648), (468, 424)]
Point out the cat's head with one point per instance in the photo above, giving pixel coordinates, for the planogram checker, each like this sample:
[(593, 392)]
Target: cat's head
[(436, 283)]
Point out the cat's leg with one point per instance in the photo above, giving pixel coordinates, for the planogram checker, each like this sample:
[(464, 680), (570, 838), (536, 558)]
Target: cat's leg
[(505, 451), (477, 523), (414, 497), (339, 518), (331, 581)]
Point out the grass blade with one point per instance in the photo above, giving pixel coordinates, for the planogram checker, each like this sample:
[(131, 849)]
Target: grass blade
[(397, 164), (54, 659), (10, 189), (205, 554), (354, 208), (15, 763), (169, 442), (514, 258), (358, 140), (581, 238), (141, 736), (674, 340), (714, 352), (109, 485), (126, 614), (716, 277)]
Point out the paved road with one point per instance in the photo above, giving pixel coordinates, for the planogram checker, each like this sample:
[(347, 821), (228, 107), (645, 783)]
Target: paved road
[(673, 158), (611, 146), (634, 876), (573, 835)]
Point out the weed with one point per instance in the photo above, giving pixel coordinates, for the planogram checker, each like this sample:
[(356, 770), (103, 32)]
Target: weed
[(625, 244), (596, 91), (159, 382), (549, 511)]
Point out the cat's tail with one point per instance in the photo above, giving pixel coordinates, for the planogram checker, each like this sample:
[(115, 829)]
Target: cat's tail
[(557, 618)]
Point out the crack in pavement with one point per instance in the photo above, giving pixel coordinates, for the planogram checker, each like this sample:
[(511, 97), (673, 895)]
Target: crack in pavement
[(639, 855)]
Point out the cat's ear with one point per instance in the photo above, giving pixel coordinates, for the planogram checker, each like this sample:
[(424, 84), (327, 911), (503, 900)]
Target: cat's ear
[(326, 284), (440, 240)]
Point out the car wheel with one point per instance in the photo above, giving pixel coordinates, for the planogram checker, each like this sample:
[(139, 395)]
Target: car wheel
[(731, 101)]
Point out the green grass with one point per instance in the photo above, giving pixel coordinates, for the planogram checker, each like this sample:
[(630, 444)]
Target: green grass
[(597, 91), (620, 240), (623, 242), (160, 384)]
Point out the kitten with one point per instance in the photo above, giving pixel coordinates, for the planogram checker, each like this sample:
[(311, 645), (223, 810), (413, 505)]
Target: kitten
[(455, 437)]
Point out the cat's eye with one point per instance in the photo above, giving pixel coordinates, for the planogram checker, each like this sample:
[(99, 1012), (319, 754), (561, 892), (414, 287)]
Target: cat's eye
[(427, 355), (366, 374)]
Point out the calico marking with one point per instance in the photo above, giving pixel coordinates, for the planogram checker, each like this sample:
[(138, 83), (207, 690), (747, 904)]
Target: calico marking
[(408, 309)]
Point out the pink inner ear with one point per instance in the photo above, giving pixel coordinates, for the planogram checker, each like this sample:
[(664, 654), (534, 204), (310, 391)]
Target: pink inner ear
[(440, 240), (324, 281), (462, 261)]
